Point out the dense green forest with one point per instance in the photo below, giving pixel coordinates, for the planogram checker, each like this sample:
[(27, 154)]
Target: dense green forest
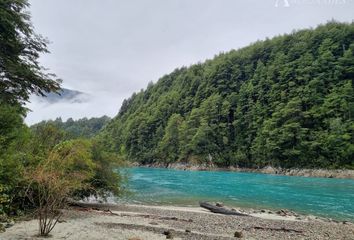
[(285, 102), (83, 127)]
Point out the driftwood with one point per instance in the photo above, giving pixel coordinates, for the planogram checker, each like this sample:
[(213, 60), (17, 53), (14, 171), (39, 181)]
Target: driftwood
[(101, 206), (221, 210), (156, 217), (282, 229)]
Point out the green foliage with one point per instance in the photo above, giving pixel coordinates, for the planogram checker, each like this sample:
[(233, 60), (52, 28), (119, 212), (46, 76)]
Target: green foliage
[(80, 155), (169, 145), (11, 125), (286, 101), (4, 199), (106, 179), (47, 147), (73, 156), (20, 47), (13, 136), (75, 129)]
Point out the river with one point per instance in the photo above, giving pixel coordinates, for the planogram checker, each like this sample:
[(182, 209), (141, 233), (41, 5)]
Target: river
[(327, 197)]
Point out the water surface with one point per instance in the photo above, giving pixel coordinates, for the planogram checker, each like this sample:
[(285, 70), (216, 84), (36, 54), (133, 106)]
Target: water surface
[(326, 197)]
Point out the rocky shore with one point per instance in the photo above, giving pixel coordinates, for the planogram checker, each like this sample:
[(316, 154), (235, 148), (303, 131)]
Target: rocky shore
[(132, 222), (326, 173)]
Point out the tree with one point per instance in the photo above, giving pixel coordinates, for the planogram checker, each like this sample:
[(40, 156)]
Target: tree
[(20, 47), (11, 124), (169, 145), (14, 137), (106, 179), (67, 169)]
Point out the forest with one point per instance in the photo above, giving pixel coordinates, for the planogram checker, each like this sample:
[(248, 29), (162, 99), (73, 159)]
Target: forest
[(284, 102), (83, 127)]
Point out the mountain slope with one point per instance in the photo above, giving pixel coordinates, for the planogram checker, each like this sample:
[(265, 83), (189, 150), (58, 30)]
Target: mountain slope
[(287, 102)]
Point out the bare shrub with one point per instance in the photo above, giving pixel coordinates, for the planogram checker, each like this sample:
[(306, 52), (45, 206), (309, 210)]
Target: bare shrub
[(65, 171)]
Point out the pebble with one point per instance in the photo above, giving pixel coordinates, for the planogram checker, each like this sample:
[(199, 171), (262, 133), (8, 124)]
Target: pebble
[(238, 234), (168, 234)]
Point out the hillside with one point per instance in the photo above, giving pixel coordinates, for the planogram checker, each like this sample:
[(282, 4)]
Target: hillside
[(84, 127), (286, 101)]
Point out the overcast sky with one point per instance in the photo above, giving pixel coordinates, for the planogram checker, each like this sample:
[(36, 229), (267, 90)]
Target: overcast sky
[(112, 48)]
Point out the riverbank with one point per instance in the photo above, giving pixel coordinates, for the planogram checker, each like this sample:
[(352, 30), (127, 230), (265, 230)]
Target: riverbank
[(140, 222), (325, 173)]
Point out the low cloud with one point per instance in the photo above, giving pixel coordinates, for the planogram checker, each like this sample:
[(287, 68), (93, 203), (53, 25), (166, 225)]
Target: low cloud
[(94, 106)]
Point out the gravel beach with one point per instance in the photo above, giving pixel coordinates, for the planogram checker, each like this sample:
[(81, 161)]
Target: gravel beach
[(138, 222)]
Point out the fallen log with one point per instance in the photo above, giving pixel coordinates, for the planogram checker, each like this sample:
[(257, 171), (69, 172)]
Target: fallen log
[(282, 229), (221, 210)]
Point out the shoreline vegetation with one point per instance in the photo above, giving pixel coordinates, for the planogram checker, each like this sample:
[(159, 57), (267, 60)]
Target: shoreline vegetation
[(324, 173), (118, 221)]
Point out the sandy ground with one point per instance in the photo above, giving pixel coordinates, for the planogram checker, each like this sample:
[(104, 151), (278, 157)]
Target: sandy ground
[(135, 222)]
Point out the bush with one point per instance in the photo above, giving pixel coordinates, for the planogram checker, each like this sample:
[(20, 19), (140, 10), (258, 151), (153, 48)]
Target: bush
[(66, 170)]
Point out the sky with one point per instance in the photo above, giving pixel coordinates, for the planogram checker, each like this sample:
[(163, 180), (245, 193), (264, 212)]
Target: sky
[(109, 49)]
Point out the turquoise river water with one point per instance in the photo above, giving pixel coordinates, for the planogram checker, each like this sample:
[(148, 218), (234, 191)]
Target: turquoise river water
[(325, 197)]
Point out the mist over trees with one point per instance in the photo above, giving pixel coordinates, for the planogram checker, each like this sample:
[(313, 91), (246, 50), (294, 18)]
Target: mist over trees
[(286, 101)]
